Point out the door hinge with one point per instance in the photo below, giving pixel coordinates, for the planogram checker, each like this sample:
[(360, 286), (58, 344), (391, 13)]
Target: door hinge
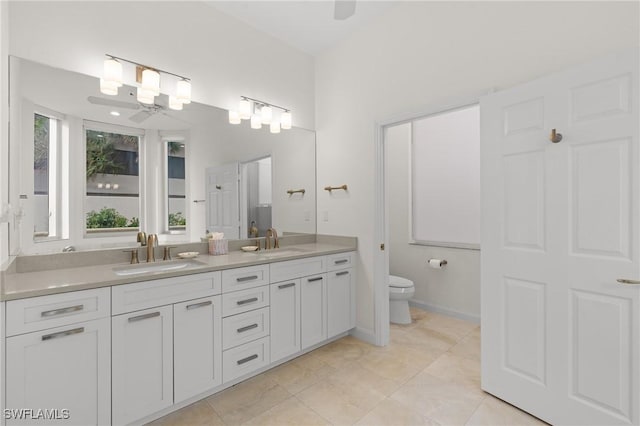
[(382, 246)]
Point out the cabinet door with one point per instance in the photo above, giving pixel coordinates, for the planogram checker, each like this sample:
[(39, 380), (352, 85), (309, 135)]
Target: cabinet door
[(197, 337), (285, 319), (64, 368), (314, 309), (142, 364), (340, 302)]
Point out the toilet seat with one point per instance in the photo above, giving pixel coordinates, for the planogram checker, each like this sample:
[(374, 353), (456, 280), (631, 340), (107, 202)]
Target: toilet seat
[(399, 282)]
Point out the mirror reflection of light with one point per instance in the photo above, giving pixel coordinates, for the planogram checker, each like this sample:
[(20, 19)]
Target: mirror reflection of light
[(115, 113)]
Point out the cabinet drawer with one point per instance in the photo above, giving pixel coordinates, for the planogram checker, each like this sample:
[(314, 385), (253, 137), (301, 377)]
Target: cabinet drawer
[(56, 310), (243, 278), (147, 294), (243, 328), (291, 269), (238, 302), (340, 261), (244, 359)]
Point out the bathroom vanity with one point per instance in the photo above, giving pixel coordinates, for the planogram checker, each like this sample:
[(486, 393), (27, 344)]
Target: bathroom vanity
[(122, 349)]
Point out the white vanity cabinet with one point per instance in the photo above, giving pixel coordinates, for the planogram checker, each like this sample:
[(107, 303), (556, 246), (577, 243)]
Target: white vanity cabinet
[(341, 293), (285, 319), (313, 295), (63, 363)]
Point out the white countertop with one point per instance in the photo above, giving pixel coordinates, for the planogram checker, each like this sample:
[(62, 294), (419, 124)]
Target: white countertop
[(30, 284)]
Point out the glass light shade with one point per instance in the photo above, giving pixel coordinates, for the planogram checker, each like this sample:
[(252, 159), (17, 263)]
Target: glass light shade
[(183, 91), (144, 96), (244, 109), (174, 103), (234, 117), (108, 87), (285, 120), (151, 81), (113, 71), (274, 127), (267, 114), (256, 121)]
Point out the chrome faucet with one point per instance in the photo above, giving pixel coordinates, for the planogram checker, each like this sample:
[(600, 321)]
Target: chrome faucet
[(271, 232), (152, 243)]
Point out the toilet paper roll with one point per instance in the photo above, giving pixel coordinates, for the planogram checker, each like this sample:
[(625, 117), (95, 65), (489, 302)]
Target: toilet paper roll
[(437, 263)]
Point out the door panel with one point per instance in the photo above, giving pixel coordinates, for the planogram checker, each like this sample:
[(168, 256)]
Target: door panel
[(223, 208)]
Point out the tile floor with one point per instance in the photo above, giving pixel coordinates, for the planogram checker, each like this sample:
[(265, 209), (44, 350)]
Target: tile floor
[(428, 375)]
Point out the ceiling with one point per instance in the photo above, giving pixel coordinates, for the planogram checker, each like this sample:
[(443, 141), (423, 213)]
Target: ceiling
[(306, 25)]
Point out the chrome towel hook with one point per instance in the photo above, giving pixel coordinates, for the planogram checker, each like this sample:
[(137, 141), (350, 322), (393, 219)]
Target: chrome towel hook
[(555, 137)]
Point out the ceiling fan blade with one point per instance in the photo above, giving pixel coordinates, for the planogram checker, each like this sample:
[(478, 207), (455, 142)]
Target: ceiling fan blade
[(112, 103), (343, 9), (139, 117)]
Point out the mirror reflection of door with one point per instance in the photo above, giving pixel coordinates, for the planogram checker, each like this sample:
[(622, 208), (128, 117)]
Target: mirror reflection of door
[(256, 200), (222, 200)]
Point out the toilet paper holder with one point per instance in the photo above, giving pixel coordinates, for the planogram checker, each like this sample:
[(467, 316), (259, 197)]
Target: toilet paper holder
[(437, 262)]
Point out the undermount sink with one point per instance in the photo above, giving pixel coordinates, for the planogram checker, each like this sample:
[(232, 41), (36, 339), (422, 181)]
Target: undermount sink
[(280, 252), (148, 268)]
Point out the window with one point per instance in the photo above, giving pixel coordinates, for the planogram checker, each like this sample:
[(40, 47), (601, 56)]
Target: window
[(112, 202), (176, 220), (49, 172), (446, 178)]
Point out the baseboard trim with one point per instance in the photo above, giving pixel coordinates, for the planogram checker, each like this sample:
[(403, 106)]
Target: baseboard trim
[(364, 334), (440, 310)]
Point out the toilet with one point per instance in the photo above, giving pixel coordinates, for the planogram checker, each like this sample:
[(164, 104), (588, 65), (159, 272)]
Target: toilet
[(400, 291)]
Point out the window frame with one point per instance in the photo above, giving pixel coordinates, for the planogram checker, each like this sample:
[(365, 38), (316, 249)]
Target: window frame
[(166, 137)]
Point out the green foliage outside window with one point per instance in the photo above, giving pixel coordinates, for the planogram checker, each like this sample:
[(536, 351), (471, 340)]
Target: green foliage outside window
[(109, 218), (176, 219)]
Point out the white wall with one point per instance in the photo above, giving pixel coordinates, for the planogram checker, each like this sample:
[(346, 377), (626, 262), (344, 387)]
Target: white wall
[(224, 57), (420, 55), (4, 128)]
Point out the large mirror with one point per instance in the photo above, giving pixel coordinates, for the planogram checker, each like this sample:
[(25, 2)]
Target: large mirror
[(91, 170)]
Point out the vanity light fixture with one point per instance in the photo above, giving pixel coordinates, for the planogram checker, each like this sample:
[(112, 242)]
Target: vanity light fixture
[(261, 112), (149, 79)]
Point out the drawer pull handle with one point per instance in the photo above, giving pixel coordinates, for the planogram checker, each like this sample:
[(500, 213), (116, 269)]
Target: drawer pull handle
[(341, 273), (144, 317), (250, 278), (199, 305), (283, 286), (247, 328), (63, 333), (625, 281), (245, 301), (62, 311), (247, 359), (340, 262), (314, 279)]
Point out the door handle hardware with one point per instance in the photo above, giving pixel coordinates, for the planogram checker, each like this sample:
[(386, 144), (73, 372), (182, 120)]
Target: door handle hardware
[(218, 186), (199, 305), (243, 279), (314, 279), (144, 317), (63, 333), (341, 273), (62, 311), (247, 359), (554, 136), (247, 328), (341, 261), (283, 286), (245, 301), (623, 281)]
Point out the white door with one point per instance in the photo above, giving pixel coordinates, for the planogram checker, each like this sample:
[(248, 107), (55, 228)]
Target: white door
[(314, 309), (223, 208), (197, 340), (561, 224), (61, 368), (142, 363), (340, 302), (285, 319)]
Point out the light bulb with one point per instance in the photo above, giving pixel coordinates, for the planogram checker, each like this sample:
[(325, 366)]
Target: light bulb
[(151, 81), (285, 120), (144, 96), (174, 103), (274, 127), (244, 109), (108, 87), (116, 186), (234, 117), (183, 91), (267, 113), (113, 71), (256, 121)]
